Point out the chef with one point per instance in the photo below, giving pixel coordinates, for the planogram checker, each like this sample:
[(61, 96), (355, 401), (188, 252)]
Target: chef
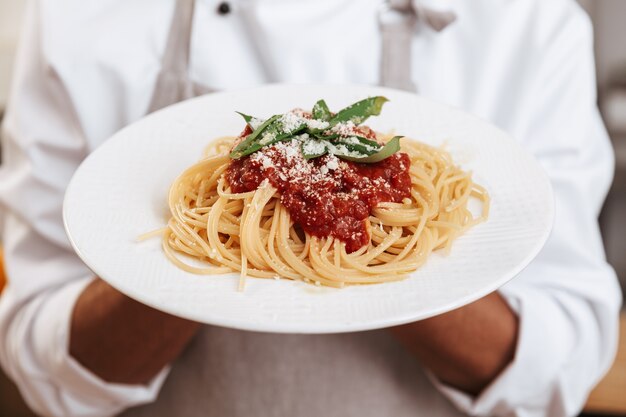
[(77, 347)]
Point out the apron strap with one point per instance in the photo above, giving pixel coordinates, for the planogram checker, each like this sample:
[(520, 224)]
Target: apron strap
[(172, 83), (397, 21)]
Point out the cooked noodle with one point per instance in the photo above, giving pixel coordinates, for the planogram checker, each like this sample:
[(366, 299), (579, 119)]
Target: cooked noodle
[(252, 232)]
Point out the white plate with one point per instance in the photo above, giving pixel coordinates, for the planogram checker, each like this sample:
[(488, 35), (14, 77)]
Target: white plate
[(119, 192)]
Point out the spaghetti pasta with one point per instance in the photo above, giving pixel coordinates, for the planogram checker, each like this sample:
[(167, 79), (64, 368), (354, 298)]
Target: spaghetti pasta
[(253, 233)]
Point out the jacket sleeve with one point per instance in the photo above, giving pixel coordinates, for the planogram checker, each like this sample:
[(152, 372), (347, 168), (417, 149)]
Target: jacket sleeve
[(43, 144), (568, 299)]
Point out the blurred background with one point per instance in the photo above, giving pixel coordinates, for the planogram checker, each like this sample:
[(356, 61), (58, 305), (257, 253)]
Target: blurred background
[(610, 46)]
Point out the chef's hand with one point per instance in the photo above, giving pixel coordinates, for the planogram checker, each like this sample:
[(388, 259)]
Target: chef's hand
[(466, 348), (122, 340)]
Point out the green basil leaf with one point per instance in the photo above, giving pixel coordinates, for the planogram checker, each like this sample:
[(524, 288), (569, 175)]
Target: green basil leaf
[(321, 135), (243, 148), (246, 117), (347, 150), (272, 133), (276, 133), (258, 145), (322, 141), (321, 111), (358, 112), (277, 137), (370, 146), (352, 149), (389, 149)]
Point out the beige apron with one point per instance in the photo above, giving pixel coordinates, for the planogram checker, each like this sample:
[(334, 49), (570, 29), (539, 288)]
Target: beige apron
[(232, 373)]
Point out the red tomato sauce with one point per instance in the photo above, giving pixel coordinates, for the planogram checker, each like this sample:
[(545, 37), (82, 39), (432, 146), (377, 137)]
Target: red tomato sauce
[(326, 196)]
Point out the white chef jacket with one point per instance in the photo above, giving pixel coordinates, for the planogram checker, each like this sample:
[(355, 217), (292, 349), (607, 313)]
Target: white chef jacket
[(86, 69)]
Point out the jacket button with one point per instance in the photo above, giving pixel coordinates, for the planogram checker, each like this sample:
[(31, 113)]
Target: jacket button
[(223, 8)]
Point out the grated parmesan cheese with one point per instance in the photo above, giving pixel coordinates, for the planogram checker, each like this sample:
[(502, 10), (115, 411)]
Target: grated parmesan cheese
[(345, 128), (314, 147), (295, 119), (290, 121), (332, 163), (317, 124)]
